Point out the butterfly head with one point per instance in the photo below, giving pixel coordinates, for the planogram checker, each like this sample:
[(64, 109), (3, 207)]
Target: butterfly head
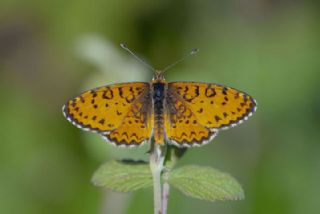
[(158, 76)]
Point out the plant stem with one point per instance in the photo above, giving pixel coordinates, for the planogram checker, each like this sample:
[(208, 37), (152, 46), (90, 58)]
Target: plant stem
[(157, 192), (165, 197), (157, 155)]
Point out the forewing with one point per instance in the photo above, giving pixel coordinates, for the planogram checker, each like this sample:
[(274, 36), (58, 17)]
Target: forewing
[(214, 106), (104, 109), (197, 111)]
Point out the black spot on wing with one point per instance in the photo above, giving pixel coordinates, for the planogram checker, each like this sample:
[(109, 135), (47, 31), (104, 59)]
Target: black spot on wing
[(210, 92), (101, 121), (225, 114), (224, 90), (200, 110), (217, 118)]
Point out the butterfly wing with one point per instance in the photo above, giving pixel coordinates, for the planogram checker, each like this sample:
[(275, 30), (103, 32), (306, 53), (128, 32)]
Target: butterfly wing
[(210, 106), (109, 109), (136, 126), (181, 125)]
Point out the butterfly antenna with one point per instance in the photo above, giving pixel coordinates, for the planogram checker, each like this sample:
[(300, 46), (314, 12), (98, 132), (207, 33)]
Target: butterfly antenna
[(124, 46), (192, 52)]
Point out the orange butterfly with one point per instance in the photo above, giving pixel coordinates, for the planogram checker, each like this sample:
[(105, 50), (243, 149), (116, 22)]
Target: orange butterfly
[(184, 114)]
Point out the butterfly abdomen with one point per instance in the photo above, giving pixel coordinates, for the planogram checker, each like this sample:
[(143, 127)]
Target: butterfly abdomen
[(158, 103)]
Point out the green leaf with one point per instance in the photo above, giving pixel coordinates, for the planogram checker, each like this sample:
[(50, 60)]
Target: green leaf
[(205, 183), (123, 176)]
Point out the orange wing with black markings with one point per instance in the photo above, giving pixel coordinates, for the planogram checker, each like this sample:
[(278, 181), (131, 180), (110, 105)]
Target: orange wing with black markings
[(182, 127), (209, 106), (106, 110), (136, 126)]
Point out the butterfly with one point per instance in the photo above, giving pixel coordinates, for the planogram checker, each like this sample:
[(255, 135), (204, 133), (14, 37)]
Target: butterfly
[(183, 114)]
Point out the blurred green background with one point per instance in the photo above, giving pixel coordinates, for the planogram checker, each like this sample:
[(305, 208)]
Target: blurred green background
[(50, 51)]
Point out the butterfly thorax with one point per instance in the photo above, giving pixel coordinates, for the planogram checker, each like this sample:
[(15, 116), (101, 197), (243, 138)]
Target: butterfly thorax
[(158, 97)]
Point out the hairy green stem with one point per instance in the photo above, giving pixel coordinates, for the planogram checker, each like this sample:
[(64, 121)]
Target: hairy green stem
[(157, 155), (165, 197)]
